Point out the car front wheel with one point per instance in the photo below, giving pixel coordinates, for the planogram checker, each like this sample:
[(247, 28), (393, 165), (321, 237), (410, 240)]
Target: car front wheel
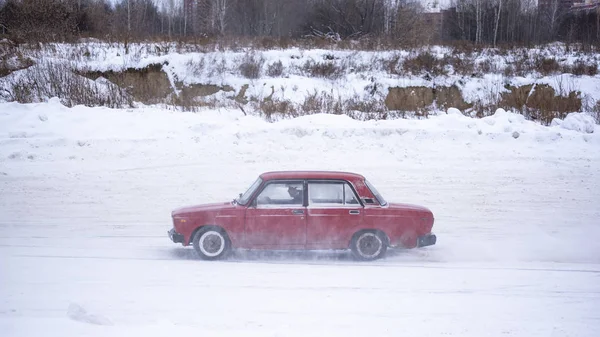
[(211, 243), (368, 245)]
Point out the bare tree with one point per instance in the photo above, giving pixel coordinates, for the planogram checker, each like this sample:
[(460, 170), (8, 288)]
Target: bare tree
[(220, 13), (498, 11)]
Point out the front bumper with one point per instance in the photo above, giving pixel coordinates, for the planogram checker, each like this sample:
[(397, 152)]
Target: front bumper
[(426, 240), (174, 236)]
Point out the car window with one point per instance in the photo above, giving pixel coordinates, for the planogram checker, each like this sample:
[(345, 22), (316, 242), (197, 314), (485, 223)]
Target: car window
[(284, 194), (327, 194), (350, 197), (244, 199)]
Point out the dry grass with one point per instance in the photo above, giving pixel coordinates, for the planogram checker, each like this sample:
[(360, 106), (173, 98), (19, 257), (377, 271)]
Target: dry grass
[(326, 69), (322, 102), (424, 63), (546, 66), (50, 79), (596, 112), (581, 67), (390, 65), (543, 103), (462, 65), (270, 108)]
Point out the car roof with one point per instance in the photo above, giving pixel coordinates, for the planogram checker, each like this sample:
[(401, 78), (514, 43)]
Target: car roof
[(310, 175)]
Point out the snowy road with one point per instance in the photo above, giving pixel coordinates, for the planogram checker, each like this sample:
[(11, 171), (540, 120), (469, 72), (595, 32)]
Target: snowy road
[(85, 198), (140, 295)]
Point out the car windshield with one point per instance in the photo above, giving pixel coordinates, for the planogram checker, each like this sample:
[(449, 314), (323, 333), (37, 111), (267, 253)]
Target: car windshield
[(246, 196), (378, 196)]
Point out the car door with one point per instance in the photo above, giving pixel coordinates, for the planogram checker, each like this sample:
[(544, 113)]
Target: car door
[(277, 216), (334, 214)]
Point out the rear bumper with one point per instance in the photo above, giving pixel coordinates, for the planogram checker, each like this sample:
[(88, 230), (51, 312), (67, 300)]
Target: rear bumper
[(174, 236), (426, 240)]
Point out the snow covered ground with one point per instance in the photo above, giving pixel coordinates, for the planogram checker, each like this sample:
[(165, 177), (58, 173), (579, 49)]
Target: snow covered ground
[(86, 195)]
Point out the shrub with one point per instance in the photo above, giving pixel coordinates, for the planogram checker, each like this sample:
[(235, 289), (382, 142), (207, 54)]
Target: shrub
[(370, 106), (509, 71), (313, 103), (424, 62), (546, 66), (275, 69), (323, 69), (582, 68), (272, 107), (391, 65), (462, 65), (487, 66), (251, 66)]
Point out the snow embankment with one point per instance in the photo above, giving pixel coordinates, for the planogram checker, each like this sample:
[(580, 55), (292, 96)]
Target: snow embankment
[(577, 122), (52, 120)]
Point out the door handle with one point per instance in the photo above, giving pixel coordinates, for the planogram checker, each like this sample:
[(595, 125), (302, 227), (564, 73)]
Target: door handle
[(297, 211), (354, 211)]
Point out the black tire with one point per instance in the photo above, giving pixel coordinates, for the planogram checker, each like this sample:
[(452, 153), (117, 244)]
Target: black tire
[(368, 245), (211, 243)]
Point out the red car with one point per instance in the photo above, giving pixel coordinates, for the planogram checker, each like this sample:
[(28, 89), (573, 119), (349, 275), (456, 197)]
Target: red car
[(304, 210)]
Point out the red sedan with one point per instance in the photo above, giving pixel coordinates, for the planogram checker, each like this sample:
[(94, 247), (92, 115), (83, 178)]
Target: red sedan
[(293, 210)]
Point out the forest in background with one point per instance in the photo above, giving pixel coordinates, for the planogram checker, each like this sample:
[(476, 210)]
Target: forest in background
[(389, 22)]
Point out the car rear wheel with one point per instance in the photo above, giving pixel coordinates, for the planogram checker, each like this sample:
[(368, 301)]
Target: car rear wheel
[(368, 245), (211, 243)]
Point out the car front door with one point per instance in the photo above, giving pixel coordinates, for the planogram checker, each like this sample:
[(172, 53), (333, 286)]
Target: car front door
[(277, 216), (334, 214)]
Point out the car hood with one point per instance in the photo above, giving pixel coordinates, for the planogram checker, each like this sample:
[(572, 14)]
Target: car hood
[(218, 206), (409, 207)]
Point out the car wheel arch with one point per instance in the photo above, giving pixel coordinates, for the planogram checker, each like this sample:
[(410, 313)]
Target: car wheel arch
[(373, 230), (363, 233), (216, 227)]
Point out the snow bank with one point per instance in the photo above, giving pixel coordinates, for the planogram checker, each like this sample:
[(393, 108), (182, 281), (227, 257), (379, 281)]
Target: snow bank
[(580, 122)]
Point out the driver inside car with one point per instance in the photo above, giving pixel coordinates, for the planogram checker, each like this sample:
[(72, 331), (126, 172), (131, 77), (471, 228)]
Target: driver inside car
[(295, 193)]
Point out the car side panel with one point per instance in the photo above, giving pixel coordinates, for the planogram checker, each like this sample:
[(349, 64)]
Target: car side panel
[(283, 228), (332, 227), (401, 227), (231, 220)]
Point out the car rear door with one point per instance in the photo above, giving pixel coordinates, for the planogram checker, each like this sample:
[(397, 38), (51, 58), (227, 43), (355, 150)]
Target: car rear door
[(334, 214), (275, 219)]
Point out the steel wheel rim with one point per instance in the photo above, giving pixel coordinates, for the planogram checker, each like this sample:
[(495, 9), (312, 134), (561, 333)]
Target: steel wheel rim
[(211, 243), (369, 245)]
